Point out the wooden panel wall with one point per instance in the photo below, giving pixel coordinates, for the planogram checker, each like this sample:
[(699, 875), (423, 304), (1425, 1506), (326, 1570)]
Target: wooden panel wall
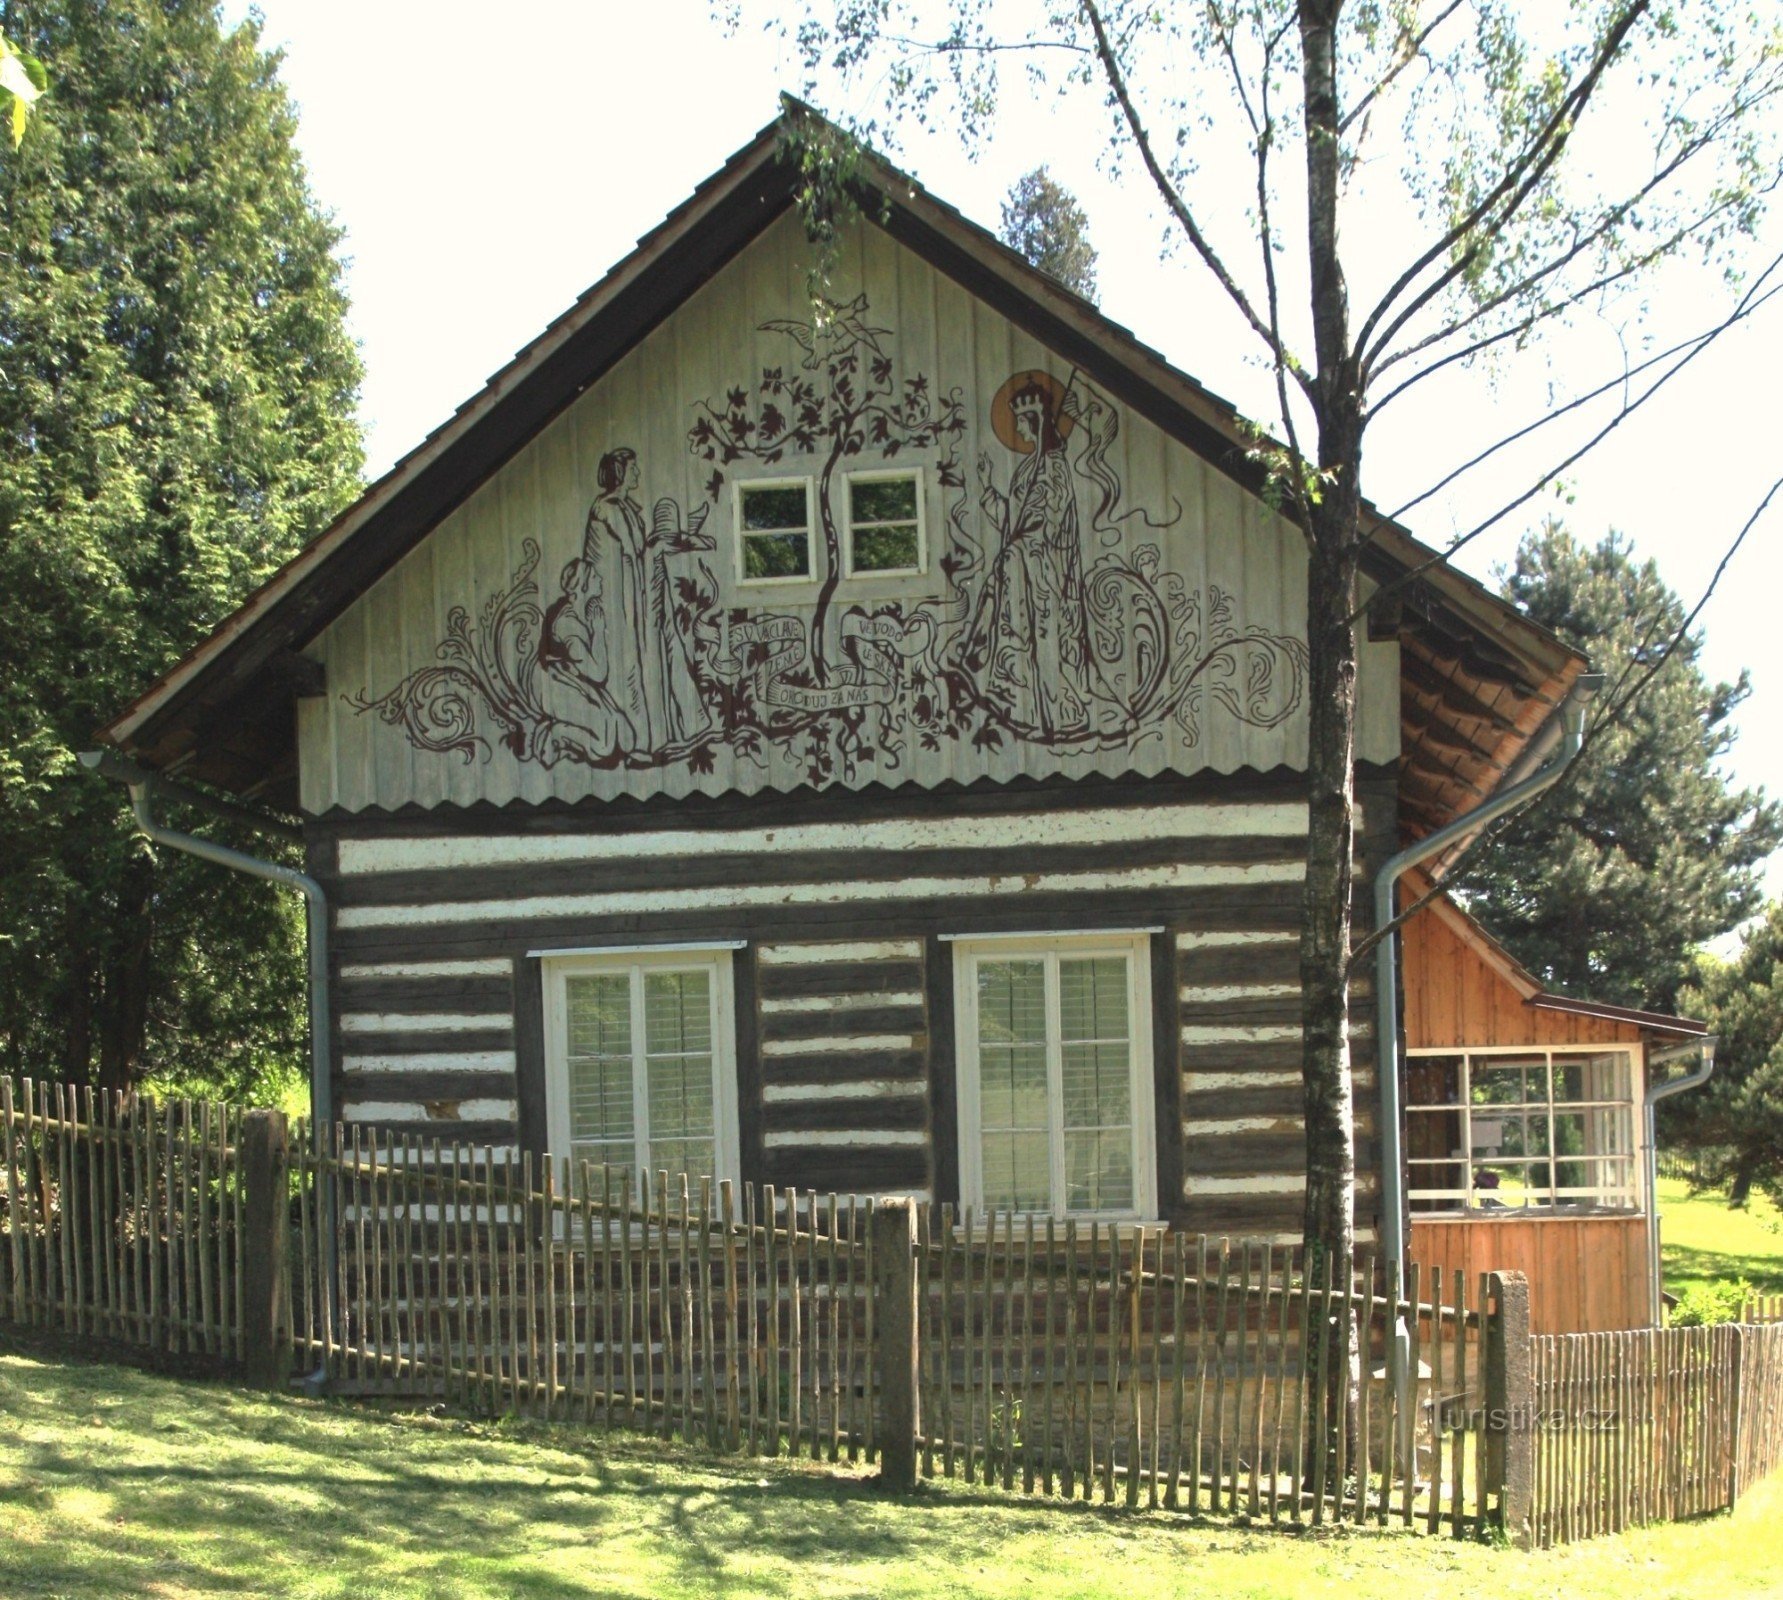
[(1586, 1274), (1453, 996), (845, 1053), (1218, 562)]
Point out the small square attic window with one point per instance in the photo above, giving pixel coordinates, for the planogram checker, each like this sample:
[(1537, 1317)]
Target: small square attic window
[(885, 523), (774, 531)]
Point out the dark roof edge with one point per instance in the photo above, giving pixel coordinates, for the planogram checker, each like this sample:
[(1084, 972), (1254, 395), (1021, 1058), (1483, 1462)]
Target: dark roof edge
[(1657, 1021)]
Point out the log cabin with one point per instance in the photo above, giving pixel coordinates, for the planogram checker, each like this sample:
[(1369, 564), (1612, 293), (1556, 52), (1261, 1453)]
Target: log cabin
[(858, 741)]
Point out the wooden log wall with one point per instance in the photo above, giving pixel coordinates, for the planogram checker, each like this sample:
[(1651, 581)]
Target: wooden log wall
[(843, 982), (844, 1065)]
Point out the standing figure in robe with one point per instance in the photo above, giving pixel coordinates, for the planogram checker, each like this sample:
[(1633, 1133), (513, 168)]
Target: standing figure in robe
[(663, 691), (1029, 636)]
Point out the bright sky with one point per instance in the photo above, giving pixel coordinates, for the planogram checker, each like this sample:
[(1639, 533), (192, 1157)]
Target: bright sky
[(487, 167)]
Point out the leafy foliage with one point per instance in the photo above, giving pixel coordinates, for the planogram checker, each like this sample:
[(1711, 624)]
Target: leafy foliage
[(1607, 885), (1043, 222), (22, 83), (176, 418), (1740, 1109)]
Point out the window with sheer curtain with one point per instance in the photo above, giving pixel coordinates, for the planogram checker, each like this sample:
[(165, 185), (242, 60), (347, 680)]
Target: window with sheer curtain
[(639, 1056), (1055, 1076)]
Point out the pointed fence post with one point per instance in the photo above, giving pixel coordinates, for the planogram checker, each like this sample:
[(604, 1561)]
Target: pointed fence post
[(895, 1327), (1510, 1409), (266, 1286)]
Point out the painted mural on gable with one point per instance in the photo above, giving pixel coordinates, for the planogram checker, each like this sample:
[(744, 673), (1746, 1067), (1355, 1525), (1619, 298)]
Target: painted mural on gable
[(1057, 623)]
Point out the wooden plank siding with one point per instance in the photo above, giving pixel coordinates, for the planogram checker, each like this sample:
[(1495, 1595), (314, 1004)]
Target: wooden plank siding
[(844, 1032), (1454, 996), (1586, 1274)]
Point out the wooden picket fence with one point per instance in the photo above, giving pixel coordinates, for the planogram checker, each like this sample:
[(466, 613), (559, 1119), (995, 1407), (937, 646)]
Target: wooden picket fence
[(1652, 1425), (1108, 1361), (1119, 1363), (743, 1320), (1762, 1308), (122, 1217)]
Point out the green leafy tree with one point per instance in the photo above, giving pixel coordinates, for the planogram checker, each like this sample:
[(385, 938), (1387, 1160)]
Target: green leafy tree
[(1606, 886), (177, 394), (1043, 222), (1739, 1112)]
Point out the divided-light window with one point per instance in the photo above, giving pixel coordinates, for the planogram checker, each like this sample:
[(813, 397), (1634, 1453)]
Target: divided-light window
[(885, 532), (640, 1061), (1523, 1130), (1055, 1076), (774, 531)]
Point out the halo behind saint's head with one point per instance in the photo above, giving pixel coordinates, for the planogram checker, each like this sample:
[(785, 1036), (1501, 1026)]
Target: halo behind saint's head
[(1003, 408)]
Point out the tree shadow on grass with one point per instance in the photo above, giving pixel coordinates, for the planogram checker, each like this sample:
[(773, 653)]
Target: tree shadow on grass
[(138, 1484), (1685, 1265)]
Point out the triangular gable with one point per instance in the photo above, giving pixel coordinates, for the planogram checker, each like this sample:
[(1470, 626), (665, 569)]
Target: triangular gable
[(222, 714)]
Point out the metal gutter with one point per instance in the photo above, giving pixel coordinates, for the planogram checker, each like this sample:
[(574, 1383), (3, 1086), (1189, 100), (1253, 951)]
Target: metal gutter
[(143, 785), (1571, 718), (1655, 1093)]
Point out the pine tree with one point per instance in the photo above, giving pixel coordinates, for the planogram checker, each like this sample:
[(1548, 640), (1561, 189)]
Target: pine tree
[(1043, 222), (1606, 885), (1739, 1112), (177, 393)]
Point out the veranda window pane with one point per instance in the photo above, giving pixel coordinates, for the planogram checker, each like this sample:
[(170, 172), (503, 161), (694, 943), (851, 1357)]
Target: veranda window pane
[(1433, 1081), (678, 1067), (1510, 1080), (602, 1126), (1586, 1078)]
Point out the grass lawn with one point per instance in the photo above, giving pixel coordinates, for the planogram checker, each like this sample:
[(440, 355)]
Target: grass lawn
[(113, 1482), (1702, 1239)]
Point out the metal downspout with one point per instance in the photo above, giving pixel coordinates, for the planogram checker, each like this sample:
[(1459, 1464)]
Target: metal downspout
[(1386, 966), (1655, 1093)]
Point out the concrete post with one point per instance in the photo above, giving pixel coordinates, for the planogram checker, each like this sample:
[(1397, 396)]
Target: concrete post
[(1511, 1418), (894, 1293)]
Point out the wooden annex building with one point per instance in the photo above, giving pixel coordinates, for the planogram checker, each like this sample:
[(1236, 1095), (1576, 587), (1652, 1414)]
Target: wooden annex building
[(862, 746)]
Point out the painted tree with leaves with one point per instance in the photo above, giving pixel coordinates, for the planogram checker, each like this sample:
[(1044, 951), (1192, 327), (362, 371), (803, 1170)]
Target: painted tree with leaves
[(1541, 158), (177, 389), (1043, 222), (1609, 882)]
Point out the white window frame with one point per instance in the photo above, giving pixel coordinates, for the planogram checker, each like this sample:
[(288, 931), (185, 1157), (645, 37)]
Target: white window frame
[(813, 534), (1597, 1200), (967, 953), (914, 472), (555, 971)]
